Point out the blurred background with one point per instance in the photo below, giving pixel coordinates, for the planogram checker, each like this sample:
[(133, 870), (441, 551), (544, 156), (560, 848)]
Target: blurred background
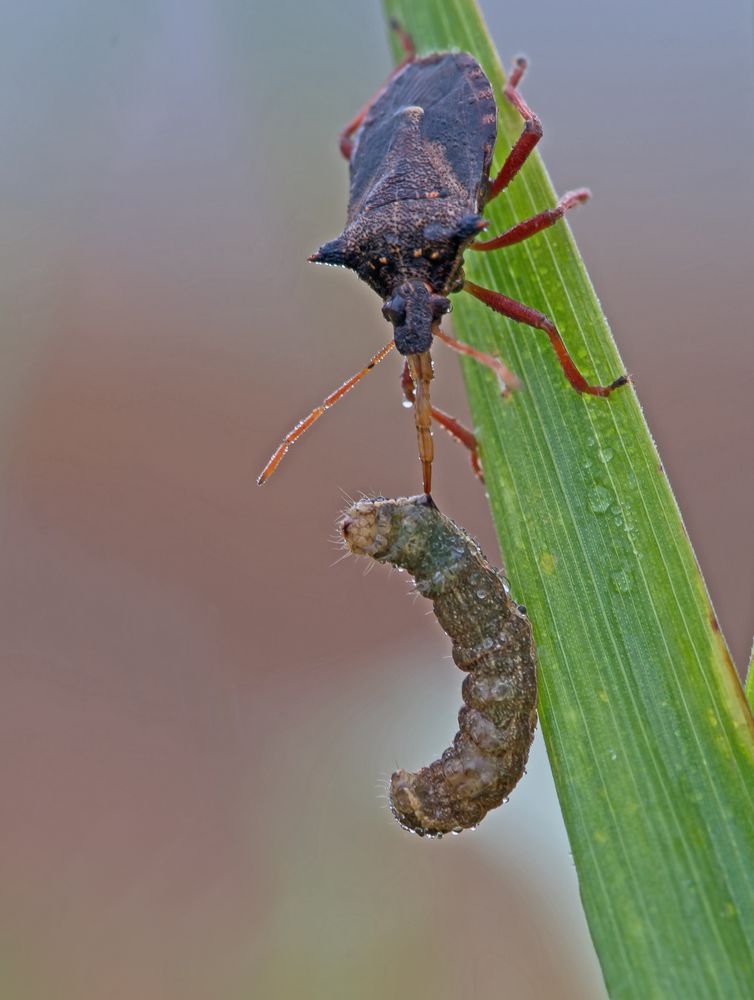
[(200, 707)]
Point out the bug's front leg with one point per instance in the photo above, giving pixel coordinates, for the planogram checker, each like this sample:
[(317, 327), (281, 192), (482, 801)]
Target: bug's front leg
[(506, 379), (531, 317)]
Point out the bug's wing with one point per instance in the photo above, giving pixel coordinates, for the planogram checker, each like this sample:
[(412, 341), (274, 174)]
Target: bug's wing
[(459, 113)]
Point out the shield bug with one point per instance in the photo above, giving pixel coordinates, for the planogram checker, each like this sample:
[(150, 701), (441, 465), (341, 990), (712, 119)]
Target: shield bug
[(492, 642), (420, 153)]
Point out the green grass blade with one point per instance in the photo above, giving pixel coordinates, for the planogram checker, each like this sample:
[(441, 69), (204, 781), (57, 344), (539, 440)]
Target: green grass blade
[(649, 734)]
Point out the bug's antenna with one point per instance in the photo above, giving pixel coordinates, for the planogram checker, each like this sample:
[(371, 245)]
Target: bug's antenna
[(317, 412)]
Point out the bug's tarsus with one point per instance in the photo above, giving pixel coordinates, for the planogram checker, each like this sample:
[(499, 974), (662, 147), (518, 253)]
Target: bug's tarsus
[(456, 430), (529, 227), (531, 317), (303, 425), (530, 134)]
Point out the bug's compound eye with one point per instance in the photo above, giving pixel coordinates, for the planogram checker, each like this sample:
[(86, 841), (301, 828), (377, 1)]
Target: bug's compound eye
[(440, 306), (394, 310)]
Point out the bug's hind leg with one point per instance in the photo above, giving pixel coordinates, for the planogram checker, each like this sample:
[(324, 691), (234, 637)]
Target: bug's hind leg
[(344, 139), (530, 135), (456, 430), (531, 317), (529, 227)]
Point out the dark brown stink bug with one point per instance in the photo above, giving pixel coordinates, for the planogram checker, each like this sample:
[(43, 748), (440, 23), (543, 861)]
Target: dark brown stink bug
[(420, 154)]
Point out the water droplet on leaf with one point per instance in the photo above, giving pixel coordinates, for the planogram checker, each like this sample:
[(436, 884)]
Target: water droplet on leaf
[(599, 499), (622, 581)]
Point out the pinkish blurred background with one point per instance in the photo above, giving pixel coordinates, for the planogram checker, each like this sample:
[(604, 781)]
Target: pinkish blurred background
[(198, 707)]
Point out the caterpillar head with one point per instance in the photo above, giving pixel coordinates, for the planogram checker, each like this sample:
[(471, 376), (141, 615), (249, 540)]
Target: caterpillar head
[(381, 528)]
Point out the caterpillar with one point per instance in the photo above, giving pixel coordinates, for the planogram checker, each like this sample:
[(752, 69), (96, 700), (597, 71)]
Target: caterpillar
[(492, 643)]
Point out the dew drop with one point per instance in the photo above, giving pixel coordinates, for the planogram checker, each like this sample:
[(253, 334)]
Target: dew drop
[(407, 404), (621, 581), (605, 454), (599, 499)]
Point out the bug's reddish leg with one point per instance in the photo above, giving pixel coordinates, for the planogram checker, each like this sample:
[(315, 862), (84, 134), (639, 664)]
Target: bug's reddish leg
[(344, 139), (456, 430), (523, 230), (530, 135), (317, 412), (531, 317), (506, 377), (407, 42), (420, 369)]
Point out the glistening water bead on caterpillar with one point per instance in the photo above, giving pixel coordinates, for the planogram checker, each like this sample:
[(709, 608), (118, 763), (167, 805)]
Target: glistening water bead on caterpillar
[(492, 642)]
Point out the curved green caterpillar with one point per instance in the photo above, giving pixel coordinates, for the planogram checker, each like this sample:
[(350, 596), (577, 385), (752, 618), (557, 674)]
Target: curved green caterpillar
[(492, 641)]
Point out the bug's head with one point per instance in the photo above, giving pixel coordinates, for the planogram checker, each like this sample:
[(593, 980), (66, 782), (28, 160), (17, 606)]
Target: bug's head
[(414, 310)]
